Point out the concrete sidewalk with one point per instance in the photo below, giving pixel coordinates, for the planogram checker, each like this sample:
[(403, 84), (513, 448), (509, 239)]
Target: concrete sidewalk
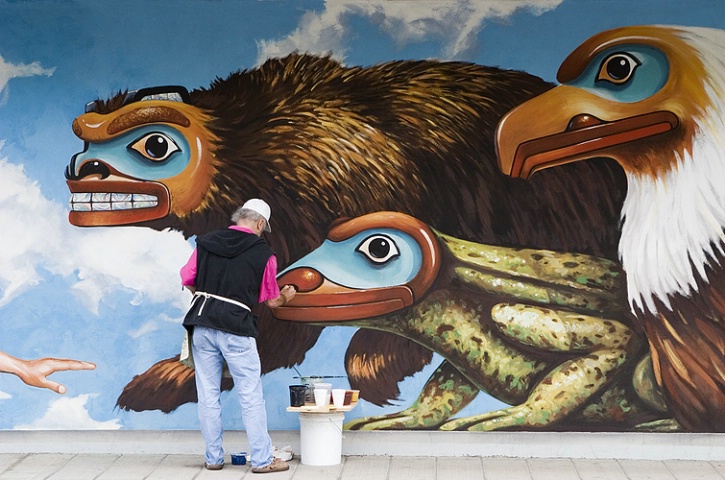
[(189, 467), (178, 455)]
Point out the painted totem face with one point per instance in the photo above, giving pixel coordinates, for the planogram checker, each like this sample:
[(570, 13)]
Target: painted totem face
[(149, 158)]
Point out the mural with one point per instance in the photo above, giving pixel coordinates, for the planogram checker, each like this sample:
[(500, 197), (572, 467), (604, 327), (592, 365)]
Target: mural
[(346, 141), (452, 290)]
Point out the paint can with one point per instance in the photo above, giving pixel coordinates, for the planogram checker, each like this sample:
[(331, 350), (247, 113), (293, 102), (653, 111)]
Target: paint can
[(297, 395)]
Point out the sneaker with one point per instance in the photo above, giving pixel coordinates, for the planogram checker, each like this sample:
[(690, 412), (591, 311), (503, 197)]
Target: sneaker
[(277, 465), (213, 466)]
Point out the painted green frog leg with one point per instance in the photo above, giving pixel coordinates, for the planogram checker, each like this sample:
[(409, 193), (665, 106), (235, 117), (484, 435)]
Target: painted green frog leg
[(544, 277), (445, 393), (561, 392), (607, 345), (562, 331), (454, 324)]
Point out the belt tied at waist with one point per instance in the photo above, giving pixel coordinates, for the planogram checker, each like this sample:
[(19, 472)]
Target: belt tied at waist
[(207, 296)]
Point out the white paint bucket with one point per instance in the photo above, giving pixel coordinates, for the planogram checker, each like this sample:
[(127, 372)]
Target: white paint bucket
[(321, 438)]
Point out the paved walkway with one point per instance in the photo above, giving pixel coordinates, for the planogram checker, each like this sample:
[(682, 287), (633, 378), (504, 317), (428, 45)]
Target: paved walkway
[(188, 467)]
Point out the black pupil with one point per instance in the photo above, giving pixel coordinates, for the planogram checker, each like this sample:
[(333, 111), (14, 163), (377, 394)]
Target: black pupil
[(618, 68), (156, 146), (379, 248)]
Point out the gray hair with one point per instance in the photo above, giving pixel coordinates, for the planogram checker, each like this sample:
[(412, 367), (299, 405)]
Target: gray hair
[(246, 214)]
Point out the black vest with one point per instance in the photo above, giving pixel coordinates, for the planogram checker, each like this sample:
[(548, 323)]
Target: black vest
[(229, 264)]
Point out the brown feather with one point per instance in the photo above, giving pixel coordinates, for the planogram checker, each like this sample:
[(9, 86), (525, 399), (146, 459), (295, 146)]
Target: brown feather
[(165, 386), (376, 362), (689, 340)]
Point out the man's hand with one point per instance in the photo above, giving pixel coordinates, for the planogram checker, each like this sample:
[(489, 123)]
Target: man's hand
[(286, 294)]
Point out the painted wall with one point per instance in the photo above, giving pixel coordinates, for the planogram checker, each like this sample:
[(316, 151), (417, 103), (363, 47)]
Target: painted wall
[(104, 288)]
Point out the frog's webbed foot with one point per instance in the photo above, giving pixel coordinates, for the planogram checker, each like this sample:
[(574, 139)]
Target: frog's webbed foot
[(445, 393), (497, 420), (664, 425), (407, 419)]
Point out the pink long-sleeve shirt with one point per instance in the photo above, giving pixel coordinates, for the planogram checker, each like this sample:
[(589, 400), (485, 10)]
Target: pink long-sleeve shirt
[(267, 291)]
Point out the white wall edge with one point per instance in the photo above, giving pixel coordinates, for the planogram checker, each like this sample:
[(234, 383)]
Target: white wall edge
[(630, 446)]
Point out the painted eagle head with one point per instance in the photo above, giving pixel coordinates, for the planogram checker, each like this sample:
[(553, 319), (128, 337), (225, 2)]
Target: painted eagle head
[(653, 99)]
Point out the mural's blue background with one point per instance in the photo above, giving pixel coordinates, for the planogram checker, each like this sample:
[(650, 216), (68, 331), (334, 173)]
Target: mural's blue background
[(111, 296)]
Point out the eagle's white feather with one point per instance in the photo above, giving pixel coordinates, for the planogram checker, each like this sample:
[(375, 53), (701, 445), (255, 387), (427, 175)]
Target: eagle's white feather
[(673, 224)]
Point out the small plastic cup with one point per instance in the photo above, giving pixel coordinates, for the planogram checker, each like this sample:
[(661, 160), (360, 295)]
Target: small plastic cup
[(322, 397), (323, 386), (338, 397)]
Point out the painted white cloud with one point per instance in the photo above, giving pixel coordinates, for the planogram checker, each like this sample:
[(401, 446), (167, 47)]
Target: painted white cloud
[(455, 24), (98, 261), (136, 259), (8, 71), (69, 413), (145, 329), (5, 395)]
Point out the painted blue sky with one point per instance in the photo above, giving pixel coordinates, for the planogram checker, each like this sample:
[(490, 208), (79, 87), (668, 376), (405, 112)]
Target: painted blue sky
[(111, 296)]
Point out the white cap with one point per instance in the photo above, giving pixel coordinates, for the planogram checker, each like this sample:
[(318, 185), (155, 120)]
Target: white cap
[(261, 207)]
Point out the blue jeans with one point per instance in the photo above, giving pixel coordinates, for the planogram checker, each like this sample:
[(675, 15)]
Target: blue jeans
[(210, 348)]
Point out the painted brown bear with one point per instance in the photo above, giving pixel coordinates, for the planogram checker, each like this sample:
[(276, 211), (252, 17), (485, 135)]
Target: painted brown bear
[(321, 141)]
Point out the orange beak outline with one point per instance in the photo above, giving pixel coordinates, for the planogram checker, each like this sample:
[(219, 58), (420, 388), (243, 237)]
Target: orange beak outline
[(568, 124), (320, 300)]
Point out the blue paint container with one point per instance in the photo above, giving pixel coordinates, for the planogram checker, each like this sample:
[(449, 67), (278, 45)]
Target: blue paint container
[(239, 458)]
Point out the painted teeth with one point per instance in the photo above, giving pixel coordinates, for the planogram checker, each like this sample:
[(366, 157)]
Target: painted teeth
[(100, 202)]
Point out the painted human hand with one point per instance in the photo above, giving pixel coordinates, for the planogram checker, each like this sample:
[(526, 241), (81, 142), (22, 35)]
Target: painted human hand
[(35, 372)]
